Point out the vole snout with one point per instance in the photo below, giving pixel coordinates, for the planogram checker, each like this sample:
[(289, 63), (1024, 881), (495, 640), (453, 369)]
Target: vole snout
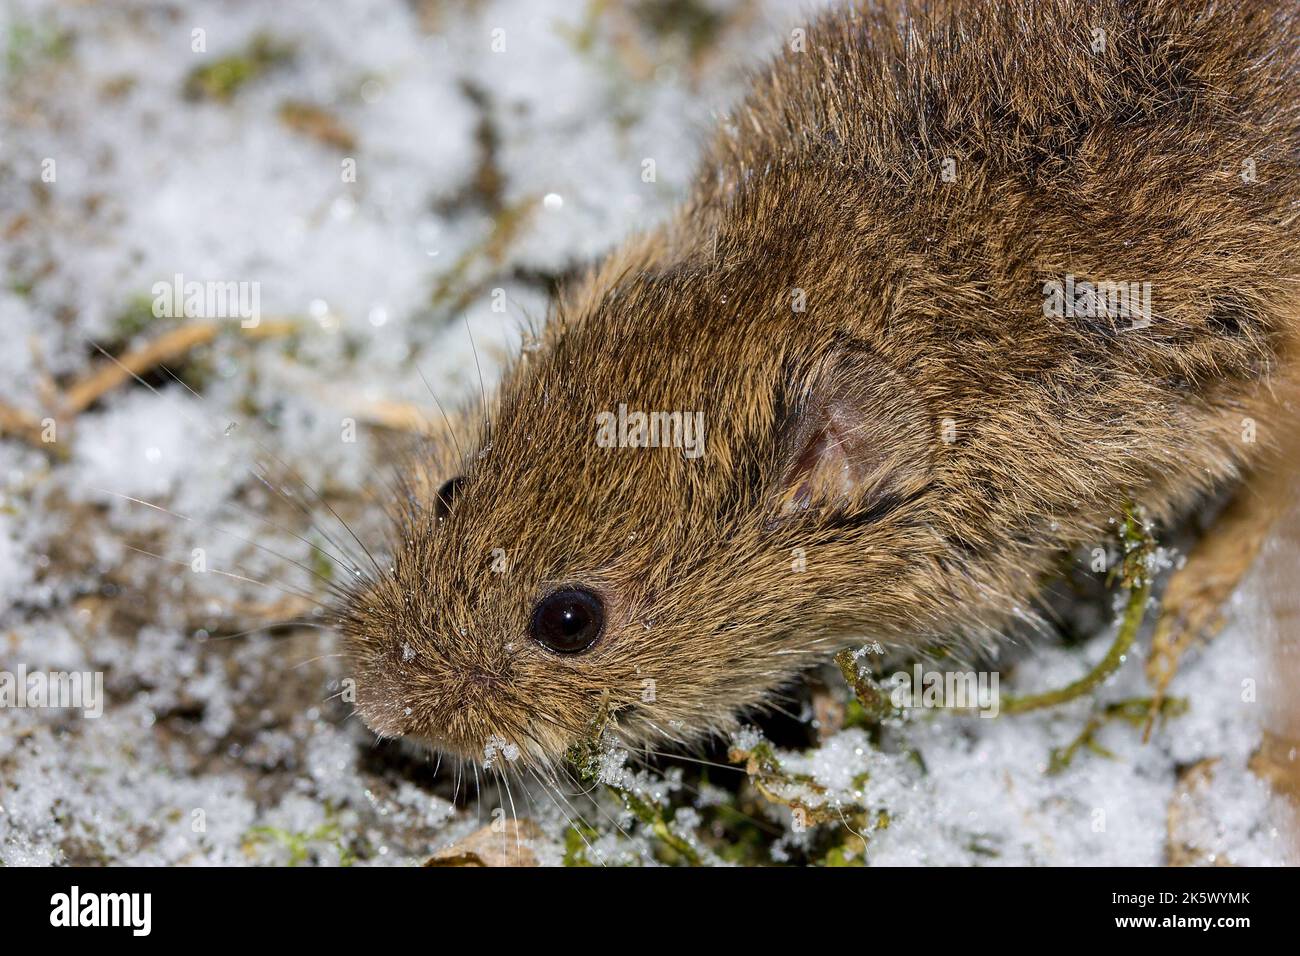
[(456, 702), (466, 658)]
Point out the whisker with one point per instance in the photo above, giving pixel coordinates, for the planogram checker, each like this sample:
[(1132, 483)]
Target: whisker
[(856, 833), (445, 420), (112, 358), (667, 736), (292, 472), (328, 555), (347, 559), (313, 660), (290, 623), (478, 791), (761, 824), (599, 809), (591, 850), (220, 530), (276, 586), (702, 763), (487, 419), (518, 842)]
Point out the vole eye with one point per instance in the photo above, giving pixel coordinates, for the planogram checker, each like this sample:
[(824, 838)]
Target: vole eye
[(568, 621), (446, 492)]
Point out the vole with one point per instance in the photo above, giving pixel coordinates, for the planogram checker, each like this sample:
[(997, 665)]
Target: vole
[(955, 284)]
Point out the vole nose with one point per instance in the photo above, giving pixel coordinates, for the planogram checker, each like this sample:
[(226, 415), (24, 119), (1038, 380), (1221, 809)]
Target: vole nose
[(480, 681)]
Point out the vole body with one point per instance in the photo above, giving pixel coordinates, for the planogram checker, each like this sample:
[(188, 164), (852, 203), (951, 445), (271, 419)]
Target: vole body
[(899, 436)]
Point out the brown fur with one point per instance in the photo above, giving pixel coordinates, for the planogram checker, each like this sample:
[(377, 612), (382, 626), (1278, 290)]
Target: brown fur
[(824, 427)]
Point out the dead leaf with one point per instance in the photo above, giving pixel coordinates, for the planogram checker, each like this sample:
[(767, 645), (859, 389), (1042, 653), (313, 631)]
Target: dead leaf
[(1189, 823), (506, 844), (318, 124)]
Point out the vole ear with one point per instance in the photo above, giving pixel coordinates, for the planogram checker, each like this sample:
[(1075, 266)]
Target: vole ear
[(856, 440)]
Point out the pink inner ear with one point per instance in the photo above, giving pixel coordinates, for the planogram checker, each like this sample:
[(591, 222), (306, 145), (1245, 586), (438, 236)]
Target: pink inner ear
[(825, 468), (861, 435), (801, 497)]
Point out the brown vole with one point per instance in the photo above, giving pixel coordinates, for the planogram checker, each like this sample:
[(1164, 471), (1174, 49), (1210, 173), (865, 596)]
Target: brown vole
[(872, 299)]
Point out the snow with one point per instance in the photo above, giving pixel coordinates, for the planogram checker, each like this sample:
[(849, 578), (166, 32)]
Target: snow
[(225, 743)]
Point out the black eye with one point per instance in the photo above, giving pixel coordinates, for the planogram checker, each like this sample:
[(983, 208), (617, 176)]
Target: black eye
[(446, 492), (568, 621)]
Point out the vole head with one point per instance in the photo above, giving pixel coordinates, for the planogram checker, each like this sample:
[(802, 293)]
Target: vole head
[(560, 571)]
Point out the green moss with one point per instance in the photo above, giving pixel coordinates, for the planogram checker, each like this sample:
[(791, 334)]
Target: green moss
[(321, 563), (695, 22), (584, 758), (979, 846), (222, 79), (318, 123), (299, 844), (29, 43), (737, 837), (576, 839), (1134, 572), (1133, 711), (673, 847), (136, 316), (870, 704), (583, 36)]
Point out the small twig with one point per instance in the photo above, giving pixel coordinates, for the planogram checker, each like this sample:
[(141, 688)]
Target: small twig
[(652, 817), (454, 290), (1133, 711), (400, 417), (874, 702), (20, 424), (108, 375), (767, 776), (167, 347)]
